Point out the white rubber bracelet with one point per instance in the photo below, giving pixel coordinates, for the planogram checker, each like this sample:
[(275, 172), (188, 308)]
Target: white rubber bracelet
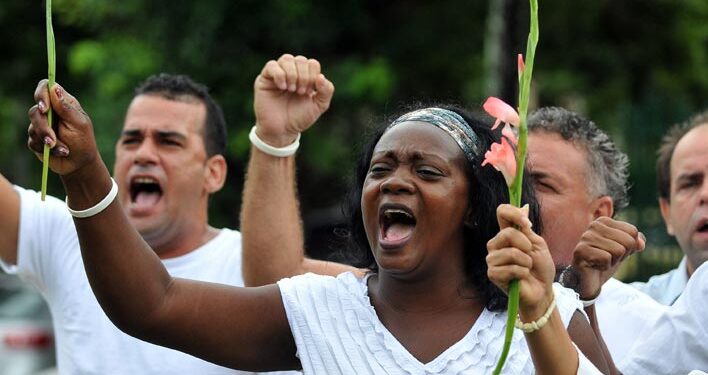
[(280, 152), (537, 324), (588, 302), (100, 206)]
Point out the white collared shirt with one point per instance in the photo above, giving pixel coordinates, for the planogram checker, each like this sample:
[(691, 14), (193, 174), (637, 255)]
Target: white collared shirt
[(623, 313), (667, 287), (676, 343)]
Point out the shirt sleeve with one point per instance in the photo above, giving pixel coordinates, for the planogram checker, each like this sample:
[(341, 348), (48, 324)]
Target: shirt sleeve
[(46, 240), (585, 367), (676, 343), (567, 302), (300, 295)]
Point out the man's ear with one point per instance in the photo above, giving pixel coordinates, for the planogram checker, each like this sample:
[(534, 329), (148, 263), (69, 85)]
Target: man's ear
[(602, 206), (665, 207), (215, 174)]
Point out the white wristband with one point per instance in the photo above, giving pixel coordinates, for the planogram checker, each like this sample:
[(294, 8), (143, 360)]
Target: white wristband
[(589, 302), (100, 206), (537, 324), (280, 152)]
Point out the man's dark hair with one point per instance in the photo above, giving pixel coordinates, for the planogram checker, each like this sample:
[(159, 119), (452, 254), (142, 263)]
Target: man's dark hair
[(182, 88), (487, 190), (607, 166), (666, 151)]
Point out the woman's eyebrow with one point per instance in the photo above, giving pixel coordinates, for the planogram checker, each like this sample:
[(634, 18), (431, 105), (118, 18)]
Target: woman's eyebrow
[(412, 156)]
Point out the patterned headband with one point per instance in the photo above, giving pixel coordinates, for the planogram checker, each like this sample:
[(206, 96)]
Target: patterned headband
[(449, 121)]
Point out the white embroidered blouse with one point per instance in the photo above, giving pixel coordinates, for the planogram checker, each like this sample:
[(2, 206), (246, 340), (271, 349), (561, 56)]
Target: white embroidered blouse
[(337, 331)]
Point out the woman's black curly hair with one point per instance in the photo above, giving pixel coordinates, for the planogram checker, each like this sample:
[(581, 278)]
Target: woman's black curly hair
[(487, 190)]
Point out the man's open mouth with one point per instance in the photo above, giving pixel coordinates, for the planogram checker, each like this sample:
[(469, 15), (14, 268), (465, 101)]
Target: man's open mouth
[(702, 227), (145, 192)]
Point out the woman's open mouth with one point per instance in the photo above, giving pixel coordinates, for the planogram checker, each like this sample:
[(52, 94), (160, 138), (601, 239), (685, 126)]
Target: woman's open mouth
[(397, 224)]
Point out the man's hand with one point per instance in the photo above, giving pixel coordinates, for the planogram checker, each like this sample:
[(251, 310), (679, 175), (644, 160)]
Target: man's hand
[(289, 96), (602, 248), (71, 138), (523, 255)]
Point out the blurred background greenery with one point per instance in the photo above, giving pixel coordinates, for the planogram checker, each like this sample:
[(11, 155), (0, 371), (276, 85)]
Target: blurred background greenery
[(633, 66)]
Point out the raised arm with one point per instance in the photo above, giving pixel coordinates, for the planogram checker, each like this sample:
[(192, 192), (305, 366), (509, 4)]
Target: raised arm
[(290, 94), (523, 255), (230, 326), (602, 249)]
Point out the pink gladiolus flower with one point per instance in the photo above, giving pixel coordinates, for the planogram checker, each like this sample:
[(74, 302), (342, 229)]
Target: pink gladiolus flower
[(501, 111), (520, 64), (503, 159)]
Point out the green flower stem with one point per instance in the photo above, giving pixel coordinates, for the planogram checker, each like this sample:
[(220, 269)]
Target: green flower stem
[(512, 310), (515, 188), (45, 170), (52, 60)]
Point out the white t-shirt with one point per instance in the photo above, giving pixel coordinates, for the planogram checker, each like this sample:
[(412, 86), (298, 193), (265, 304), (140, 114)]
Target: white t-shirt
[(337, 331), (678, 342), (623, 313), (87, 342)]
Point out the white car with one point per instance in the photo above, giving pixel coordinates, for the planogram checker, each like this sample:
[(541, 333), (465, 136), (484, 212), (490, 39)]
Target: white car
[(26, 336)]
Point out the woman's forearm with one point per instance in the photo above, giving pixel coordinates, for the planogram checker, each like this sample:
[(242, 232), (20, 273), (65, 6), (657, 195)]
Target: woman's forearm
[(551, 349), (550, 345), (126, 276)]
